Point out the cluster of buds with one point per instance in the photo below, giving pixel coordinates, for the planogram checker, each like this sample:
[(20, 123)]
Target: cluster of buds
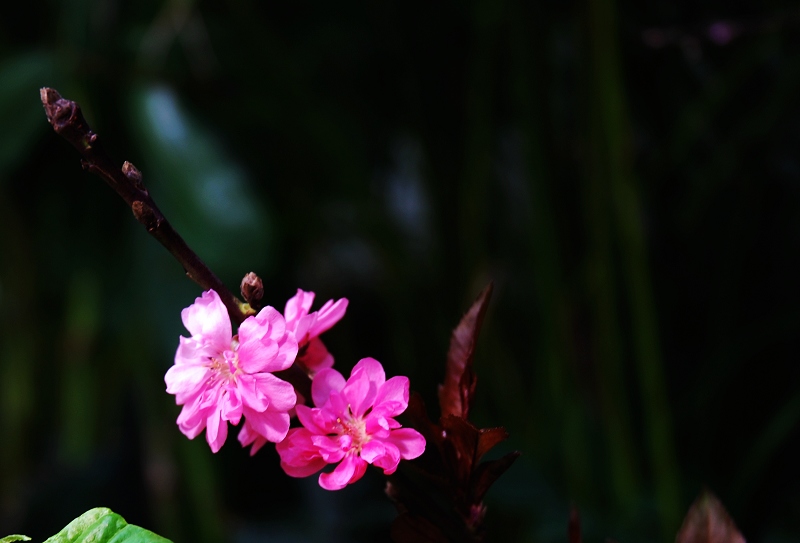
[(220, 377)]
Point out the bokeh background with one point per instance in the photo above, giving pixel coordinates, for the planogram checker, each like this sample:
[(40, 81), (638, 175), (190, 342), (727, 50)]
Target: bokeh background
[(626, 173)]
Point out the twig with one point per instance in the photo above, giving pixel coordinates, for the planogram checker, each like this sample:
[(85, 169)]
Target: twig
[(67, 120)]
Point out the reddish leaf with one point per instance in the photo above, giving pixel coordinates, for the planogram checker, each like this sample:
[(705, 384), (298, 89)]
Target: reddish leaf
[(488, 438), (460, 443), (574, 526), (418, 415), (408, 528), (458, 389), (708, 522), (488, 472)]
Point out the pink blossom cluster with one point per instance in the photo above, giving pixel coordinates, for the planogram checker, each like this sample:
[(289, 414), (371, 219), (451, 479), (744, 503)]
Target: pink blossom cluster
[(220, 378)]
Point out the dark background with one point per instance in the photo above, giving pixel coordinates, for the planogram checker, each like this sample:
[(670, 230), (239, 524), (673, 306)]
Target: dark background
[(626, 173)]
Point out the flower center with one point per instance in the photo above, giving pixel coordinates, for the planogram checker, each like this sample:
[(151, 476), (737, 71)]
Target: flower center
[(354, 427), (226, 365)]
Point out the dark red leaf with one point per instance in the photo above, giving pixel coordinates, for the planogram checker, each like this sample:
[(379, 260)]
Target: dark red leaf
[(460, 443), (574, 526), (488, 472), (458, 389), (408, 528), (708, 522), (489, 437), (418, 416)]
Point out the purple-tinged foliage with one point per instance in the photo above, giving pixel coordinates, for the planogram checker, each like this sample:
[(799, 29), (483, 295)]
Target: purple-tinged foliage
[(708, 522), (442, 498)]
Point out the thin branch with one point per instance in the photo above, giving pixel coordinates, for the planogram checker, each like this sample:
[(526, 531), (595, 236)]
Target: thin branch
[(67, 120)]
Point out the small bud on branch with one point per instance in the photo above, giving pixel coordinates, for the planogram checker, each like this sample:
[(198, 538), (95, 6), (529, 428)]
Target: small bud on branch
[(252, 288)]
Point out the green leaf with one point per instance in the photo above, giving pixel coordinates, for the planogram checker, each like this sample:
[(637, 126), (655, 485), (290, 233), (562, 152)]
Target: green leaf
[(101, 525), (15, 537)]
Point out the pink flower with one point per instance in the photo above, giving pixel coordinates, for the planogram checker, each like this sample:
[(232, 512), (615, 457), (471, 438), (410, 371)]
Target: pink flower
[(352, 425), (219, 378), (313, 356)]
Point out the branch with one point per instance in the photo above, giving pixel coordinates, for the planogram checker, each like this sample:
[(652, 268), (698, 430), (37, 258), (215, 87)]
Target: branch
[(67, 120)]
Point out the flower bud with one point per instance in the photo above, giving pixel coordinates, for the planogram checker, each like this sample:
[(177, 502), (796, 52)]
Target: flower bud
[(252, 289)]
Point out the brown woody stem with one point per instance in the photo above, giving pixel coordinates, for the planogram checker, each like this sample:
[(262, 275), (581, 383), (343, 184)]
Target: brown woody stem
[(67, 120)]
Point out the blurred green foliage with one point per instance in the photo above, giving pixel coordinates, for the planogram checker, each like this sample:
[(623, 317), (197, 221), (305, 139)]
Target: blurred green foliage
[(626, 173)]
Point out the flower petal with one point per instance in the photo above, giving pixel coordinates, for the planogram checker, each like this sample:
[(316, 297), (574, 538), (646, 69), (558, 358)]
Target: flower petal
[(328, 315), (389, 460), (207, 317), (299, 456), (409, 442), (372, 450), (230, 405), (315, 357), (185, 380), (304, 470), (350, 470), (280, 394), (256, 355), (373, 369), (362, 387), (271, 425), (326, 382), (247, 436), (216, 431), (194, 351), (393, 396), (297, 307), (306, 417), (272, 322)]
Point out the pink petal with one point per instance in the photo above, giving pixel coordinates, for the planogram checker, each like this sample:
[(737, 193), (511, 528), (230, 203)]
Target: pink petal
[(272, 322), (302, 325), (280, 394), (358, 393), (329, 448), (326, 382), (287, 353), (207, 317), (350, 470), (408, 441), (327, 316), (372, 450), (250, 392), (271, 425), (193, 428), (304, 470), (299, 457), (297, 307), (194, 351), (389, 460), (336, 407), (248, 436), (393, 396), (362, 387), (230, 405), (185, 380), (306, 417), (373, 369), (377, 425), (196, 411), (256, 355), (216, 431), (315, 357)]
